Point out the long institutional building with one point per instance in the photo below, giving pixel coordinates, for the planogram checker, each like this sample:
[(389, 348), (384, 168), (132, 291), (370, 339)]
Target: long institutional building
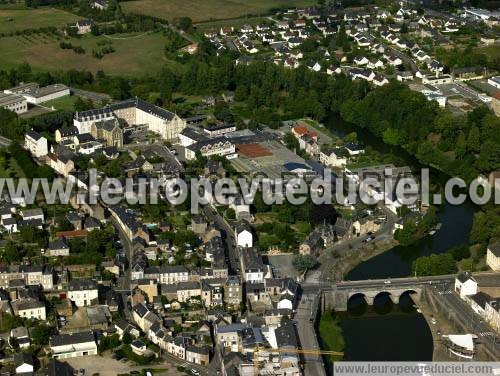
[(133, 112), (14, 103)]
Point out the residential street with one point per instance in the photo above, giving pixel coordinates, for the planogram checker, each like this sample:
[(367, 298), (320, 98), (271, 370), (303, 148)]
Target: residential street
[(228, 235)]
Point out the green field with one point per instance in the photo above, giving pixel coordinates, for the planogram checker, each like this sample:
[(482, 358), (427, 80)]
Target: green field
[(135, 54), (13, 19), (207, 9), (63, 103)]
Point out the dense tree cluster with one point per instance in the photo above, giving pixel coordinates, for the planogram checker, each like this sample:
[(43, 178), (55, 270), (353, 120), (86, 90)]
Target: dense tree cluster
[(460, 145), (97, 245), (486, 225), (304, 262), (413, 230), (435, 264)]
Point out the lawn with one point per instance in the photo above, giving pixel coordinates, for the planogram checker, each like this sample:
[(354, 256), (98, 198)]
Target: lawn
[(10, 168), (493, 52), (330, 334), (12, 19), (208, 9), (63, 103), (135, 54)]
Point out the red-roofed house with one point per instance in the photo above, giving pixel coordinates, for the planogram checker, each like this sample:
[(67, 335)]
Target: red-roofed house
[(302, 130)]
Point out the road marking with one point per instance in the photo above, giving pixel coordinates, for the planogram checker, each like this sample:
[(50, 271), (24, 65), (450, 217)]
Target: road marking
[(486, 334)]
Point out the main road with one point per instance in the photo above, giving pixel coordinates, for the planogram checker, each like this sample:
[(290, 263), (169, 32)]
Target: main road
[(307, 307), (123, 284)]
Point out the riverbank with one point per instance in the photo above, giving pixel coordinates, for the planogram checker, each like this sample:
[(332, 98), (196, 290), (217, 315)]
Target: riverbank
[(440, 325), (335, 268), (330, 334)]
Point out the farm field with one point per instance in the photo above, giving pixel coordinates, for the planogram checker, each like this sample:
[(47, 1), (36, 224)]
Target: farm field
[(207, 9), (18, 19), (135, 54)]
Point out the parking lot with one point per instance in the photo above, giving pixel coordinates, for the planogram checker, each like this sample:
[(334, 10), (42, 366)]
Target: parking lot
[(483, 85), (105, 366), (453, 90)]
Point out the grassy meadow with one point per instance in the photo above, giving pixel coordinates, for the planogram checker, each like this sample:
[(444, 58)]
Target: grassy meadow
[(135, 53), (207, 9), (18, 19)]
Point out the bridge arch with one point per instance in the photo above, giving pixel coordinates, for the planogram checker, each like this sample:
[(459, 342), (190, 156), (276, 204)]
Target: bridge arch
[(386, 294), (413, 294), (357, 298)]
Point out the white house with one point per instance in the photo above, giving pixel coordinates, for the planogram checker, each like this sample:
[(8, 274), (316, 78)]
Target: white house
[(494, 81), (404, 76), (29, 308), (21, 337), (478, 302), (493, 256), (82, 292), (361, 60), (65, 346), (333, 69), (252, 266), (84, 26), (330, 158), (422, 56), (10, 224), (58, 248), (286, 302), (244, 237), (465, 284), (375, 63), (354, 149), (393, 60), (32, 214), (35, 144), (380, 80), (316, 67), (138, 347), (24, 364)]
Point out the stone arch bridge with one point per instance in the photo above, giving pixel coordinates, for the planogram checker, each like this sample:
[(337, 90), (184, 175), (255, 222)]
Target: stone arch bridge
[(337, 295)]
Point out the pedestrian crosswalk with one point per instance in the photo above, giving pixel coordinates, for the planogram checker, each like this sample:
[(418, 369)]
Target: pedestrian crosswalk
[(486, 334)]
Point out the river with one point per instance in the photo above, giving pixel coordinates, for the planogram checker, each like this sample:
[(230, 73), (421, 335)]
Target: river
[(387, 331)]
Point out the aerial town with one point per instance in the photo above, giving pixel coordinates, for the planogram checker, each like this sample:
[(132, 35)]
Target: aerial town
[(113, 281)]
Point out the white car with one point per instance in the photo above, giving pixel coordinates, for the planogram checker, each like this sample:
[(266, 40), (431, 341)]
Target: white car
[(387, 282)]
